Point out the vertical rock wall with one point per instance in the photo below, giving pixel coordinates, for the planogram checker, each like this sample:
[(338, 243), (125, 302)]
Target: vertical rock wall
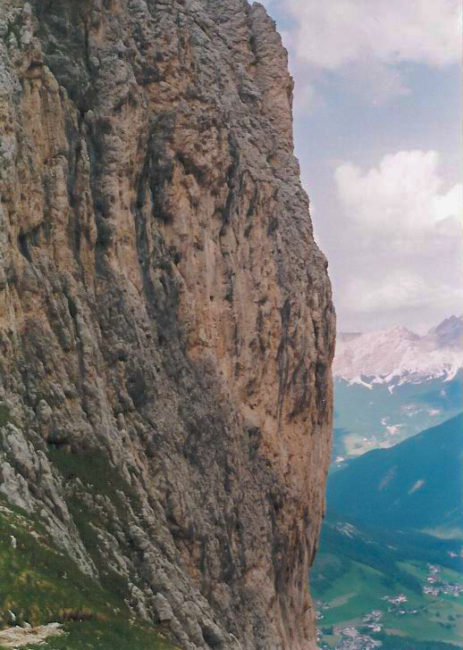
[(165, 315)]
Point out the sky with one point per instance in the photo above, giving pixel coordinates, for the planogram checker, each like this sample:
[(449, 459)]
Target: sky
[(377, 120)]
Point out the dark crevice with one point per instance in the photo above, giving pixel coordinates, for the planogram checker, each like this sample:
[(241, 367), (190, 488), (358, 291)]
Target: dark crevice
[(24, 246), (283, 356)]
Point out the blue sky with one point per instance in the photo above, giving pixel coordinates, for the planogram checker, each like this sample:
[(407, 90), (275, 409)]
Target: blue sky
[(377, 121)]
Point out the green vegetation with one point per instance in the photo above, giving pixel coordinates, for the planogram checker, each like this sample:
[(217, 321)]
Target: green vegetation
[(384, 550), (92, 468), (352, 594), (392, 513), (39, 584), (359, 589), (391, 642), (356, 568), (5, 415), (113, 635), (416, 484)]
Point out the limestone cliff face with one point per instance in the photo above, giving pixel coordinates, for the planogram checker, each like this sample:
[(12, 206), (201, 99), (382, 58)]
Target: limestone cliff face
[(166, 326)]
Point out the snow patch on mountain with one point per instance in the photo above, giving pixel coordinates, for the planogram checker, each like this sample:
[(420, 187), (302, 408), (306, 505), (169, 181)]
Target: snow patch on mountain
[(397, 355)]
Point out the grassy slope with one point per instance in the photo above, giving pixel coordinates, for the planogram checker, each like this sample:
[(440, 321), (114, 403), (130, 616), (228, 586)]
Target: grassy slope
[(39, 584), (92, 470)]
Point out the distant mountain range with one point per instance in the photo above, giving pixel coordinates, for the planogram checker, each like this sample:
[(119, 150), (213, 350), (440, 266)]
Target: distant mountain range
[(389, 565), (417, 484), (392, 384), (397, 355), (390, 561)]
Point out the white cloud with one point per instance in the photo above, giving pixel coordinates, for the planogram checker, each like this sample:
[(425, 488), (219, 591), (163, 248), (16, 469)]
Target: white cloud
[(402, 238), (404, 199), (330, 35), (365, 42), (392, 230), (399, 291), (371, 79), (306, 98)]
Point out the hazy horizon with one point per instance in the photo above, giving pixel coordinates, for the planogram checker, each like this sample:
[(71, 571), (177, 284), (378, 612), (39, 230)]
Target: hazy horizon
[(421, 330)]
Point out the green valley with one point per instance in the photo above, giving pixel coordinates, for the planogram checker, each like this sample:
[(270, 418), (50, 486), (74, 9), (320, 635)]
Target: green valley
[(379, 577)]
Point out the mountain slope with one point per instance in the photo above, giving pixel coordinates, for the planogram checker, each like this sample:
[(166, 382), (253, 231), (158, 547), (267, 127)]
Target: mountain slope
[(39, 584), (416, 484), (393, 384), (397, 355), (381, 415), (166, 324), (448, 334)]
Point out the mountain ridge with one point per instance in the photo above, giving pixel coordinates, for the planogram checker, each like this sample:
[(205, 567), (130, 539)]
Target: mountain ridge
[(415, 484), (398, 355)]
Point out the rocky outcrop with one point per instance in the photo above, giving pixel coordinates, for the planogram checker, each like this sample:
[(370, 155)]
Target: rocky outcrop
[(166, 326)]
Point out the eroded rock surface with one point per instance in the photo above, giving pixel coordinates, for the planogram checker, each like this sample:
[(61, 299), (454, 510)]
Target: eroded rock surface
[(18, 637), (166, 326)]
